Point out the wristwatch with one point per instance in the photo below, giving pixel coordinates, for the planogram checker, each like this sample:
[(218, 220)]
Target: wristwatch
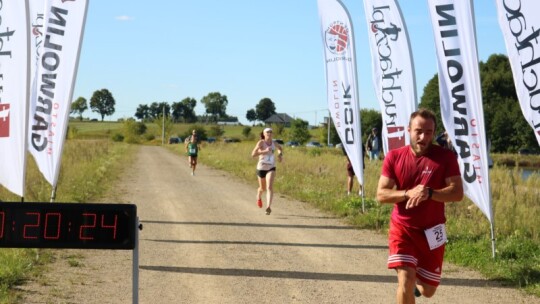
[(430, 192)]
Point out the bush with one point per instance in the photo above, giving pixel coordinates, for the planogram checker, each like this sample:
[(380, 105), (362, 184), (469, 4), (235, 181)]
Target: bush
[(118, 137), (216, 131), (72, 132), (246, 131)]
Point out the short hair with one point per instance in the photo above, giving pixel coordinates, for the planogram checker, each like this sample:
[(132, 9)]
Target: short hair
[(424, 113)]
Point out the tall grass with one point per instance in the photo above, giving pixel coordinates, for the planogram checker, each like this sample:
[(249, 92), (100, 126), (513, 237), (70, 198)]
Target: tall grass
[(87, 169), (318, 176)]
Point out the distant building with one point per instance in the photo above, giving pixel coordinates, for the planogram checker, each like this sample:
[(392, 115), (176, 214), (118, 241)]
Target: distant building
[(229, 123), (279, 119)]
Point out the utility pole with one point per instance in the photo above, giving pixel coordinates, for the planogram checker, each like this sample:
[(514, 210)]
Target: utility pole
[(328, 121), (163, 128)]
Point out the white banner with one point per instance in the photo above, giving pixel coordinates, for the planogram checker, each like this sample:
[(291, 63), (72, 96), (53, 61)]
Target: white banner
[(14, 93), (36, 28), (461, 95), (63, 30), (520, 26), (342, 90), (393, 70)]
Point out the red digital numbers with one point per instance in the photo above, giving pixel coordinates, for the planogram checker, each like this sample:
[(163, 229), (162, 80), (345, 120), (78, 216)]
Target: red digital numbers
[(56, 218), (83, 234), (73, 225), (111, 226), (91, 223), (51, 230), (34, 225)]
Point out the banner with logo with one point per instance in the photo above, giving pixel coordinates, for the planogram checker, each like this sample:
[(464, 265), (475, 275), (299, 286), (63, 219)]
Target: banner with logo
[(393, 70), (14, 93), (56, 72), (461, 95), (520, 25), (342, 90)]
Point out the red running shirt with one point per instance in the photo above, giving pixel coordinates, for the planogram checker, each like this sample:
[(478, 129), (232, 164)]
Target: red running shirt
[(408, 171)]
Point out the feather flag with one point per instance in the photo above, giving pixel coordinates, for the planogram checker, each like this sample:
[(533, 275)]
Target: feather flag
[(342, 90), (393, 70)]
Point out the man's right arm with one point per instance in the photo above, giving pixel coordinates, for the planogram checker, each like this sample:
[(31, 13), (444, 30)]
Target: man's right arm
[(386, 193)]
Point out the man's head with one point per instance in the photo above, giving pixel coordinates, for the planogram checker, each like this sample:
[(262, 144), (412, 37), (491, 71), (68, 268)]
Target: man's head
[(374, 130), (421, 129), (194, 132)]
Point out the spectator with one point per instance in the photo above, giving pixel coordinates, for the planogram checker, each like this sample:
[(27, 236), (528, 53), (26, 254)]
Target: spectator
[(374, 144)]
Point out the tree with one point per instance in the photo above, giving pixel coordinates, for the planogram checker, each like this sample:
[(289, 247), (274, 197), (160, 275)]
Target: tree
[(265, 108), (300, 131), (246, 131), (157, 109), (369, 119), (79, 106), (251, 115), (143, 112), (103, 103), (431, 100), (184, 110), (216, 104), (133, 130), (505, 125)]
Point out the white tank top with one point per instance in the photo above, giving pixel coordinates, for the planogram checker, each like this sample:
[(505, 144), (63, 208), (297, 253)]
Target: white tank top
[(267, 161)]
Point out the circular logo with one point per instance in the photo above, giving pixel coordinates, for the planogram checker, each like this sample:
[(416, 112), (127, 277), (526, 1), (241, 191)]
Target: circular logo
[(337, 38)]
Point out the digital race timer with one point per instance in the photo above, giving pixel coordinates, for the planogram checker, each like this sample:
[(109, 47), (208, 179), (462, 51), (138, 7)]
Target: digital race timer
[(68, 225)]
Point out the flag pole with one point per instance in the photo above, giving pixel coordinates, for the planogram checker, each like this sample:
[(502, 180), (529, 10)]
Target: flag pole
[(492, 239), (53, 194), (163, 127), (328, 127)]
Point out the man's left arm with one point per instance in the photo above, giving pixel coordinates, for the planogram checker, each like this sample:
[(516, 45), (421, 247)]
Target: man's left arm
[(453, 192)]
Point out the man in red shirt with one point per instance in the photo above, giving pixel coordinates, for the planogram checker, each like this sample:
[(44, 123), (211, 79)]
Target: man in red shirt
[(418, 179)]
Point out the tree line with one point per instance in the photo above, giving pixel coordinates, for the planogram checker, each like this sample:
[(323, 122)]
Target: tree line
[(506, 128), (505, 125)]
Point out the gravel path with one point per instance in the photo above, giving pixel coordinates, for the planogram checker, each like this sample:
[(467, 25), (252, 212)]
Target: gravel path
[(205, 241)]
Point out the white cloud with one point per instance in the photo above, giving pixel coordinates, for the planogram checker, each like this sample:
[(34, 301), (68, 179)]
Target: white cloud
[(124, 18)]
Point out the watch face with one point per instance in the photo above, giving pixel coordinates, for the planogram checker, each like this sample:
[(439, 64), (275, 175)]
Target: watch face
[(68, 225)]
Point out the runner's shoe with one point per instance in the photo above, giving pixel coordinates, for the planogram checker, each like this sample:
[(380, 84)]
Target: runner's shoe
[(259, 203), (268, 211), (417, 292)]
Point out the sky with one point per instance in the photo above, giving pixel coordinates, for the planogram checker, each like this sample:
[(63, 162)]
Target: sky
[(165, 51)]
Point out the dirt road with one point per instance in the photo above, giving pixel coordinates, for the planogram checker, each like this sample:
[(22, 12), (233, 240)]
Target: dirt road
[(205, 241)]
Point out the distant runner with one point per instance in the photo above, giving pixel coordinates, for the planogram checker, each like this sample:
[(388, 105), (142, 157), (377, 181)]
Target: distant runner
[(192, 149), (266, 167)]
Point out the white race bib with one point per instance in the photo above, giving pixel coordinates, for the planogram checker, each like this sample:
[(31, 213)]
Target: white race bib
[(268, 159), (436, 236)]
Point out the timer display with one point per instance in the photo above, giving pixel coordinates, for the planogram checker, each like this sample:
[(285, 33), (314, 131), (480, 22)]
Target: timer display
[(68, 225)]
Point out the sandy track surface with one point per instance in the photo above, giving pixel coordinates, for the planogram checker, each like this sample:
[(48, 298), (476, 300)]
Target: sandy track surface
[(205, 241)]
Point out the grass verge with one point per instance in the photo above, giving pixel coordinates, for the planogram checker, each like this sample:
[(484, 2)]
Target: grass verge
[(88, 169)]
